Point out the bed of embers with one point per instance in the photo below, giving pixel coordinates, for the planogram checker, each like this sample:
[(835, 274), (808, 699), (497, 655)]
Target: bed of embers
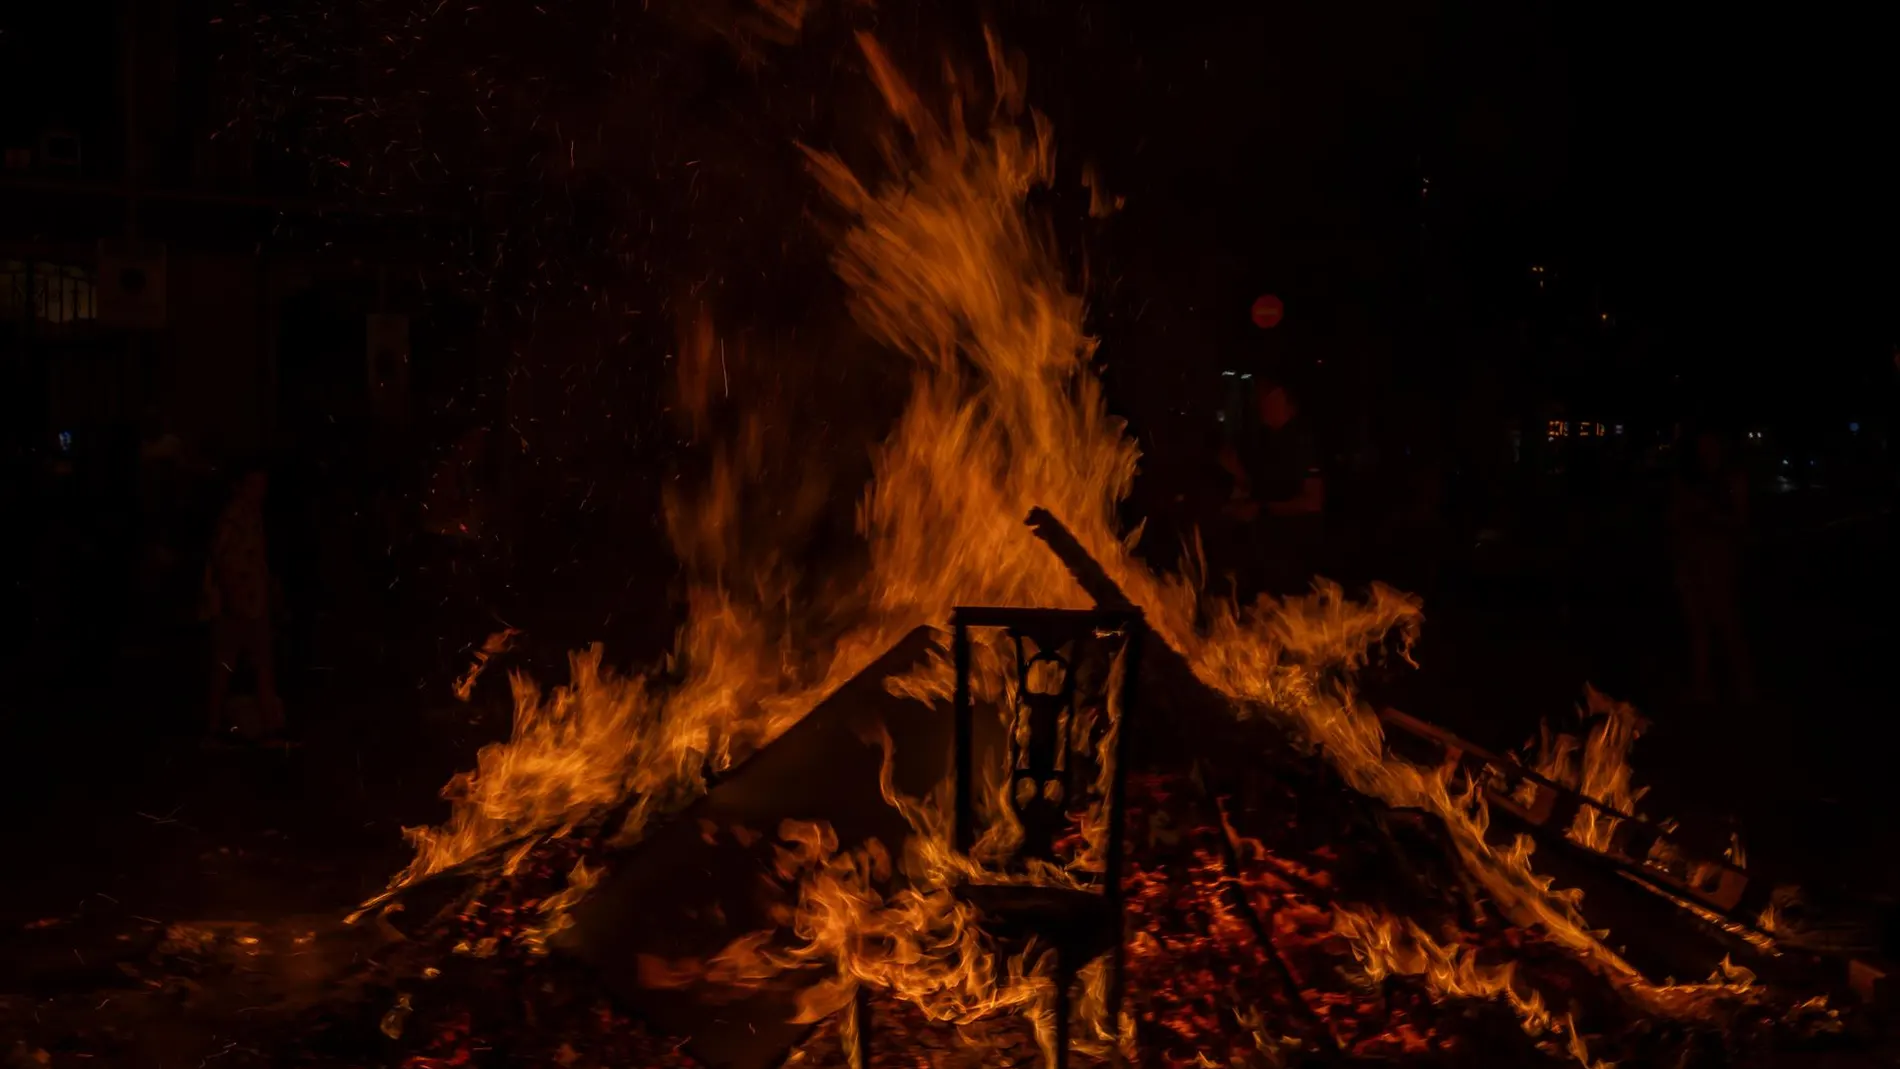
[(1207, 881)]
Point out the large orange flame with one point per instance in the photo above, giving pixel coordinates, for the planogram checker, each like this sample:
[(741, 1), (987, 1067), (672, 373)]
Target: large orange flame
[(945, 268)]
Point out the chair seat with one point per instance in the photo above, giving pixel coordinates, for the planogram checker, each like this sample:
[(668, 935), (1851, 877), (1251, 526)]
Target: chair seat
[(1081, 925)]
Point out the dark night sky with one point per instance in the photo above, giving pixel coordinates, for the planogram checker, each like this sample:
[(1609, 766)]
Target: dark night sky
[(1711, 181), (1714, 181)]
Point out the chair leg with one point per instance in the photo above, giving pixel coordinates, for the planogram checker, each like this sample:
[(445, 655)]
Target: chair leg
[(1059, 1007), (856, 1032)]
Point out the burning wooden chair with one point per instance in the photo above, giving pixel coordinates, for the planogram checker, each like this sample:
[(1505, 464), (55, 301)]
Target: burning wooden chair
[(1049, 733)]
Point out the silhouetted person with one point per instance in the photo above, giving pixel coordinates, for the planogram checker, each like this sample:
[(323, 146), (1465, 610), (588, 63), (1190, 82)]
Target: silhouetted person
[(237, 600), (1279, 495), (1708, 518)]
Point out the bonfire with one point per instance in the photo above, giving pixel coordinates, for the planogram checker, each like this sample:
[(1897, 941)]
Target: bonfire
[(1296, 887), (747, 857)]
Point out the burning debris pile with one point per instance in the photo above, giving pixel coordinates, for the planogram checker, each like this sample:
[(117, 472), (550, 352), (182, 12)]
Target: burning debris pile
[(1273, 917)]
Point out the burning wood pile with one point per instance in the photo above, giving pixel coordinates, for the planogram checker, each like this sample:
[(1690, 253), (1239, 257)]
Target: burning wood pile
[(1273, 914), (764, 855)]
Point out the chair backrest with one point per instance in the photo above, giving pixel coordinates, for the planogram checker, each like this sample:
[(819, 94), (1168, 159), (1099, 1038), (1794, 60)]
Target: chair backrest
[(1059, 701)]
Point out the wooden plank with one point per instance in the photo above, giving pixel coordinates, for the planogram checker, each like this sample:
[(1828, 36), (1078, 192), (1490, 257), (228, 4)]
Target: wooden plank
[(1718, 888), (1088, 572), (1551, 808)]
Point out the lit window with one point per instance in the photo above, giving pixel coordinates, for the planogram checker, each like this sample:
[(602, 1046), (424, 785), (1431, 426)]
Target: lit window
[(1557, 429), (59, 294), (1599, 430)]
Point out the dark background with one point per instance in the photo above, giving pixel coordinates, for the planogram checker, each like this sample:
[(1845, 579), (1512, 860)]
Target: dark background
[(1484, 219)]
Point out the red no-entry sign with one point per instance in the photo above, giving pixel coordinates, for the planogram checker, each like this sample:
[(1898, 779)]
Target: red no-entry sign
[(1267, 311)]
